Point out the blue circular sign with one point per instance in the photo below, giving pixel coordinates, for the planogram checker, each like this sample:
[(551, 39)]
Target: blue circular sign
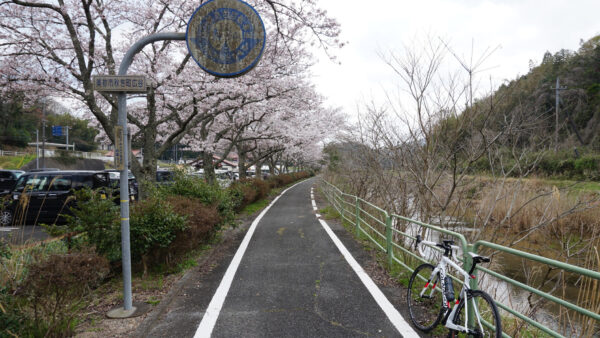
[(226, 37)]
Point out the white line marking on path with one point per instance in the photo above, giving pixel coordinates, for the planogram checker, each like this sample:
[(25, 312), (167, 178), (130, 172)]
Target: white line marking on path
[(390, 311), (8, 229), (216, 304)]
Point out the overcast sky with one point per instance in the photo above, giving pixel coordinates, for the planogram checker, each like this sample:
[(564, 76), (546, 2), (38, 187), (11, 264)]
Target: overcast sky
[(524, 30)]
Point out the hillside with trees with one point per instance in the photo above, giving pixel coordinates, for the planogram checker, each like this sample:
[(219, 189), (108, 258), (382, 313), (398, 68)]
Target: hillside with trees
[(533, 95), (20, 117)]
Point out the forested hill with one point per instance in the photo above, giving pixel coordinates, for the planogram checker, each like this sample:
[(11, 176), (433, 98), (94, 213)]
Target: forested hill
[(533, 96)]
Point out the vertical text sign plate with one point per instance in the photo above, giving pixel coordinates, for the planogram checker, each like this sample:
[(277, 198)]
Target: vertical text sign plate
[(226, 37), (119, 148)]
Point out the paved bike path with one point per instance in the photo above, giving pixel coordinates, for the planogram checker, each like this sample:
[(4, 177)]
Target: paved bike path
[(291, 282)]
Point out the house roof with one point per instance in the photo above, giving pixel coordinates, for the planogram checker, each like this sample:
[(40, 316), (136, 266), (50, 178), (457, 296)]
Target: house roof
[(111, 153)]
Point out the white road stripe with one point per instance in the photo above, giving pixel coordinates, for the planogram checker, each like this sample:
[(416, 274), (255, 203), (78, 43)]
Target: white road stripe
[(216, 304), (393, 315), (8, 229)]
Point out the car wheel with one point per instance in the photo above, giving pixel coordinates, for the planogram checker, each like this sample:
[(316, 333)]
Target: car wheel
[(6, 217)]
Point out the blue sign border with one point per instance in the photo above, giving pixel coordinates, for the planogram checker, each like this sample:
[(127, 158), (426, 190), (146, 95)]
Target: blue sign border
[(241, 72)]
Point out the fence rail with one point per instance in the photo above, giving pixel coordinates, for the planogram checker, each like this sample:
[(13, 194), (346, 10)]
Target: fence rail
[(13, 153), (52, 153), (382, 228)]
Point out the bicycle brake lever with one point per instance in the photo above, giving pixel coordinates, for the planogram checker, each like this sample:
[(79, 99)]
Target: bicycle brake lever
[(418, 240)]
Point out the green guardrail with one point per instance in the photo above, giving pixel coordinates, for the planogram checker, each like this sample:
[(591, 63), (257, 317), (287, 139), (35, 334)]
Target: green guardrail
[(379, 227)]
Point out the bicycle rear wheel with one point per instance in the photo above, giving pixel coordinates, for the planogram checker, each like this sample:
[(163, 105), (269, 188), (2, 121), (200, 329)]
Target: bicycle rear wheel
[(486, 318), (425, 311)]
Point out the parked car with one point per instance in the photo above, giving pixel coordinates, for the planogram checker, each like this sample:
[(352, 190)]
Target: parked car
[(165, 176), (115, 179), (224, 177), (43, 197), (42, 169), (8, 178)]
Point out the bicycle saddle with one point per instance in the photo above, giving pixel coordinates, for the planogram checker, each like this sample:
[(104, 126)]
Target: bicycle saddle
[(479, 259)]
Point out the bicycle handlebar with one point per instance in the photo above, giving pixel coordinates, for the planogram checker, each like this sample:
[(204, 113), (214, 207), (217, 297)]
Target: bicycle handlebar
[(451, 249)]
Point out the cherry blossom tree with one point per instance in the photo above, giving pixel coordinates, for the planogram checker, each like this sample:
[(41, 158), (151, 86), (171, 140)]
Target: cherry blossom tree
[(56, 46)]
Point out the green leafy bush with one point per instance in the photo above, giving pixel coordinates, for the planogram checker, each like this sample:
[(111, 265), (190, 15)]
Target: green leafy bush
[(208, 194), (12, 320), (153, 225), (588, 166), (98, 217)]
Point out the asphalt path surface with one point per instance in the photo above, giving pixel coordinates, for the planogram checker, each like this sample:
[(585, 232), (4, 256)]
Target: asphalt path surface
[(292, 281), (22, 234)]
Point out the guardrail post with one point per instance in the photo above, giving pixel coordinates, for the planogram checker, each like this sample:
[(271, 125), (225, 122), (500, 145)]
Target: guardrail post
[(357, 216), (342, 207), (388, 236), (472, 282)]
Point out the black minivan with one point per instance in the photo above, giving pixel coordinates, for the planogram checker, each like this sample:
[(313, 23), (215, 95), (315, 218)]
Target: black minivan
[(8, 178), (41, 197)]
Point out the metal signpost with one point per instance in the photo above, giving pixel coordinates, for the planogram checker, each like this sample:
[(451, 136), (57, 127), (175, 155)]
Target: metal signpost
[(226, 38)]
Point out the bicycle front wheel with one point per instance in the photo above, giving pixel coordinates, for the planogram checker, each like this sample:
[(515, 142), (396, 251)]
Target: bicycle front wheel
[(424, 298), (485, 318)]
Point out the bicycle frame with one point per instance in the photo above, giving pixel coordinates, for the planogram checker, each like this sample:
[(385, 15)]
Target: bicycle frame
[(440, 270)]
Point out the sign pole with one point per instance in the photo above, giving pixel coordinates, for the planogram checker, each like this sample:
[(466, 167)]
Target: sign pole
[(245, 34), (128, 309)]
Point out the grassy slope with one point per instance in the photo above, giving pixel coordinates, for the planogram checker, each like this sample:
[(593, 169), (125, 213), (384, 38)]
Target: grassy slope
[(15, 162)]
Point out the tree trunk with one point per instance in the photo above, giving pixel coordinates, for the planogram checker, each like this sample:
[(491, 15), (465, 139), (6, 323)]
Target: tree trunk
[(241, 162), (209, 169), (258, 172), (145, 265), (272, 167)]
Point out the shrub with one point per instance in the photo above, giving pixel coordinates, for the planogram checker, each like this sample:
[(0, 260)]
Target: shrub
[(55, 288), (12, 320), (587, 166), (208, 194), (202, 221), (153, 225), (261, 187), (244, 193), (236, 195), (99, 218)]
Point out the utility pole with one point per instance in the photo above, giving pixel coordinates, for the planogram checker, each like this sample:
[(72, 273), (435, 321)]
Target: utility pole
[(37, 149), (558, 88), (44, 136), (67, 143)]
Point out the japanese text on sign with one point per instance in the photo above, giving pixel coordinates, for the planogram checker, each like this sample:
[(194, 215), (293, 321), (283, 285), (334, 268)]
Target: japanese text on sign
[(119, 163), (113, 83)]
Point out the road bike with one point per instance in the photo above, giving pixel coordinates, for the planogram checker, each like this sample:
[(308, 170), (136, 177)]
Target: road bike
[(431, 294)]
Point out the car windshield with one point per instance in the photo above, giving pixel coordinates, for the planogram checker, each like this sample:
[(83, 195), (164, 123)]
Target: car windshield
[(162, 176), (33, 183), (223, 176), (60, 183), (43, 183)]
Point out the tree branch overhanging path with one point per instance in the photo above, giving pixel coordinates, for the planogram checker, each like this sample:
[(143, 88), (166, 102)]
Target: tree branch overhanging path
[(54, 48)]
